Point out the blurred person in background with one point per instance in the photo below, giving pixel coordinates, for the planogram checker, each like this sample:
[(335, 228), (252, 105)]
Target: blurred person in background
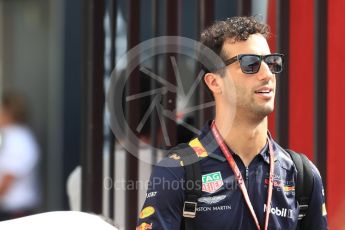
[(19, 156)]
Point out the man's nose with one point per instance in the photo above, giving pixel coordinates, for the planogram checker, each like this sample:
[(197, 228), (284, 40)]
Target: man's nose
[(265, 72)]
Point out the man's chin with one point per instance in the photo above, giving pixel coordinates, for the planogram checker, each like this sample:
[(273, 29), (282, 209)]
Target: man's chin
[(265, 111)]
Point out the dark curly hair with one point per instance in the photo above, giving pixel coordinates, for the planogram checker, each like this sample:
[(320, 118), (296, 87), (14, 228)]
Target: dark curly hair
[(236, 28)]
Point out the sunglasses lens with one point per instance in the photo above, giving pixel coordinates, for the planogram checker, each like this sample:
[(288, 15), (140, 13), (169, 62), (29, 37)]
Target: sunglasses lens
[(275, 63), (250, 64)]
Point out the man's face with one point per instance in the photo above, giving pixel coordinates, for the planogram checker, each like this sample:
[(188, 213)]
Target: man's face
[(254, 92)]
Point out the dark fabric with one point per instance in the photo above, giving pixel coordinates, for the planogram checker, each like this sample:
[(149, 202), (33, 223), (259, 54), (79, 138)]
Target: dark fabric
[(221, 205), (304, 184), (193, 179)]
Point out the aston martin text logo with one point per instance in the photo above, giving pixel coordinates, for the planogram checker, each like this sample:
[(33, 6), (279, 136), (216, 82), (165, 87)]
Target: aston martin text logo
[(212, 182)]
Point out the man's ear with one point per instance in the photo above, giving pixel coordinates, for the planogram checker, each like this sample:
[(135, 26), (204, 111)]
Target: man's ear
[(213, 82)]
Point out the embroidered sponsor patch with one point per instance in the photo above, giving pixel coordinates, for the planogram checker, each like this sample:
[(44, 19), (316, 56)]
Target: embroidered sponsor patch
[(213, 208), (289, 188), (281, 212), (174, 156), (280, 185), (212, 182), (151, 194), (146, 212), (144, 226), (198, 148), (324, 211), (212, 199)]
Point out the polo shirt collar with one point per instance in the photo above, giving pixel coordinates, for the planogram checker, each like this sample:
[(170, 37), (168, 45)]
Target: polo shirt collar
[(209, 142)]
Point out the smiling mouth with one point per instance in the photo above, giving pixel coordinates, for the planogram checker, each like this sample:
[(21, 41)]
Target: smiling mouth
[(264, 91)]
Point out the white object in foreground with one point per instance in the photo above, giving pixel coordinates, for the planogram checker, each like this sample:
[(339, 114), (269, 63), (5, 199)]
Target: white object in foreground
[(59, 220)]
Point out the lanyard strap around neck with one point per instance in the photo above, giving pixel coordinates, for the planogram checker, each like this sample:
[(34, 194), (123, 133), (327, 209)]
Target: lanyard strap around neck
[(239, 177)]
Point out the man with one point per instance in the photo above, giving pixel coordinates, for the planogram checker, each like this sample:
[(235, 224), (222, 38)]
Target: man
[(248, 180)]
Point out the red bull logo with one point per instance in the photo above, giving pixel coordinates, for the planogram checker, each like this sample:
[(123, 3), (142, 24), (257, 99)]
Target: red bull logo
[(144, 226)]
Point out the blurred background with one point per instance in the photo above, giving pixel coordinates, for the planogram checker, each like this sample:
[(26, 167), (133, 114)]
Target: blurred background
[(60, 54)]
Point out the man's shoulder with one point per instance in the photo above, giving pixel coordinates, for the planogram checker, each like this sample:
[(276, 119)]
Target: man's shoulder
[(170, 166), (176, 158), (283, 156)]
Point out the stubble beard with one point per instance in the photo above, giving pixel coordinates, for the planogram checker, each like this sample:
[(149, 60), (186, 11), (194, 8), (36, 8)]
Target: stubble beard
[(255, 110)]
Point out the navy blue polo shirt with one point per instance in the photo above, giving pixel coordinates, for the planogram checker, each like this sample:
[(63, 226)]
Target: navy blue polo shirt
[(221, 205)]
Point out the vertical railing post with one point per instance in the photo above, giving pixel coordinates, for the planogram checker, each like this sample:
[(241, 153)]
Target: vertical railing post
[(283, 80), (93, 107), (132, 114), (113, 23), (205, 18), (320, 93), (170, 97), (245, 7)]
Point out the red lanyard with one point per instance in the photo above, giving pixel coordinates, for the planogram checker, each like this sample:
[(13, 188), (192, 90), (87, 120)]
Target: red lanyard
[(239, 177)]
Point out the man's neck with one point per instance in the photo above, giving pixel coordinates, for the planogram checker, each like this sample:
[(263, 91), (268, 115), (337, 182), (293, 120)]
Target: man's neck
[(245, 138)]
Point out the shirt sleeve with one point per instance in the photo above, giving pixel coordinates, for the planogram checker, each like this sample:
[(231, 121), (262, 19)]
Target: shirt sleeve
[(316, 217), (164, 198)]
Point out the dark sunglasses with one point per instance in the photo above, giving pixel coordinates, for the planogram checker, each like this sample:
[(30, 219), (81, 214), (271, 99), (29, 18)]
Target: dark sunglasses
[(250, 63)]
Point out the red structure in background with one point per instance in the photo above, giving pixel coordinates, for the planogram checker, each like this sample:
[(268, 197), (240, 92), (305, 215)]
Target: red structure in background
[(301, 78), (335, 112), (316, 111)]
